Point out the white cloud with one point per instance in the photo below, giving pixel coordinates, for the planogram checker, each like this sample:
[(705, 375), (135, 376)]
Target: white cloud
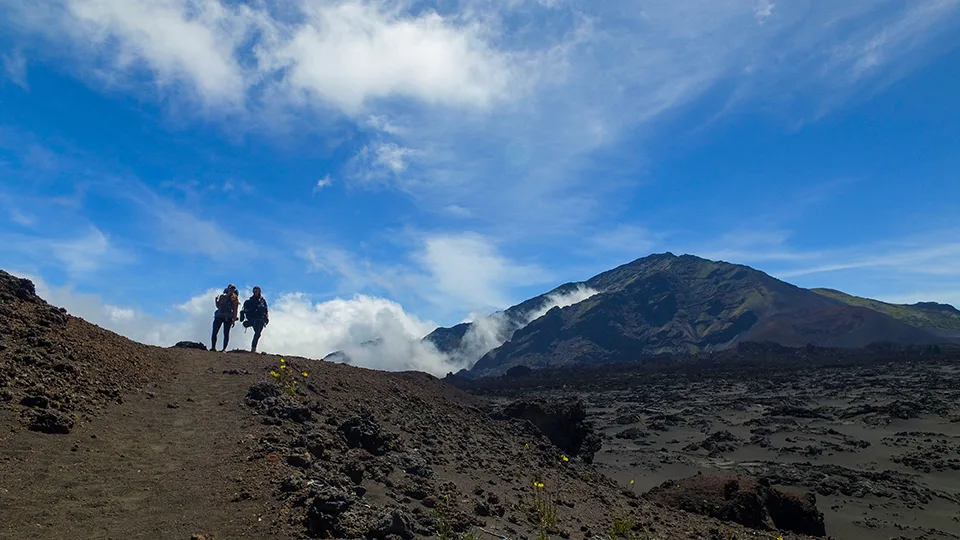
[(192, 41), (84, 254), (504, 104), (345, 53), (15, 213), (382, 162), (349, 53), (487, 333), (79, 256), (383, 124), (15, 68), (455, 210), (446, 274), (391, 156), (764, 10), (467, 270), (326, 181), (297, 327)]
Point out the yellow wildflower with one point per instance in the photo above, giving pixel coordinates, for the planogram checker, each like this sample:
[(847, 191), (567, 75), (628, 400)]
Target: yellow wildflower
[(631, 483), (304, 373), (274, 374), (283, 367), (565, 458), (282, 361)]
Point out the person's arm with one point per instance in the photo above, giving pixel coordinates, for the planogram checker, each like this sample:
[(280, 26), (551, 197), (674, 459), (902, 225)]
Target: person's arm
[(266, 313), (236, 306)]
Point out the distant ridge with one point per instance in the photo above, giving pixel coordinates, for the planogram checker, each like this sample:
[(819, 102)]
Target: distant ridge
[(921, 314)]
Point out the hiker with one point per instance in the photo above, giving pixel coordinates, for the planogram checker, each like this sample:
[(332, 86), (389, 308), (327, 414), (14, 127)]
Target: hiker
[(225, 315), (255, 314)]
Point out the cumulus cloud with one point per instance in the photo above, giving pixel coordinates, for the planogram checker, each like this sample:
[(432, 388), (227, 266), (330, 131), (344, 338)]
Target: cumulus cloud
[(343, 53), (348, 53)]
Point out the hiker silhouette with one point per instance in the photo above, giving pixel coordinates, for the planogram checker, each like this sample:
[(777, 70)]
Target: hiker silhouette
[(225, 315), (255, 314)]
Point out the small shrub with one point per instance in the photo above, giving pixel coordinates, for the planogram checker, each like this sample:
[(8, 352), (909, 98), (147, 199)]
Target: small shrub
[(286, 378)]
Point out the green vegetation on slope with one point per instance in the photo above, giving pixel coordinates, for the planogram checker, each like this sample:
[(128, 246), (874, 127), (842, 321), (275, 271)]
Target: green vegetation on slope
[(923, 315)]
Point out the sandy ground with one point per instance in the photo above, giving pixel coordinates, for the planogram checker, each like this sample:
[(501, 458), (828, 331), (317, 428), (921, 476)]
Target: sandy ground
[(881, 450)]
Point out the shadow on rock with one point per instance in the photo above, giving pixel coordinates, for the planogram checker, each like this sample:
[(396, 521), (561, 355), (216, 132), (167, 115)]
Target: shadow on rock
[(564, 423), (748, 501)]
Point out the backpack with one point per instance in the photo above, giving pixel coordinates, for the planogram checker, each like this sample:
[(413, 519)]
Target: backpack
[(225, 305)]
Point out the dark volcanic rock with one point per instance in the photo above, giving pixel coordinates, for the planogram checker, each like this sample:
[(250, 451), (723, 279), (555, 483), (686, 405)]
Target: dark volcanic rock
[(190, 345), (718, 442), (262, 391), (327, 504), (745, 500), (633, 434), (564, 423), (394, 523), (51, 422), (363, 431)]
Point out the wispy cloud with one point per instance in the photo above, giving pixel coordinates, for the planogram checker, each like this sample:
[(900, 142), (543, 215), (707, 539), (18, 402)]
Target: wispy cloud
[(16, 213), (15, 68), (764, 10), (326, 181), (78, 256), (448, 274), (502, 107)]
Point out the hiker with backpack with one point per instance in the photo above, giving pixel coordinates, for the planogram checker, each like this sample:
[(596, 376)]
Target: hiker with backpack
[(225, 315), (255, 314)]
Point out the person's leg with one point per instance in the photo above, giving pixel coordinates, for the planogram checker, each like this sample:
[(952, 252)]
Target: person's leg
[(226, 333), (216, 329), (257, 329)]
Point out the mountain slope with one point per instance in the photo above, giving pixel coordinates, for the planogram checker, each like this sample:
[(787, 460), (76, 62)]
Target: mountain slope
[(929, 315), (665, 304)]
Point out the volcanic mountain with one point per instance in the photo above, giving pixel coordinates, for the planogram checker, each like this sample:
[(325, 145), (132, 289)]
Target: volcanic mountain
[(665, 304)]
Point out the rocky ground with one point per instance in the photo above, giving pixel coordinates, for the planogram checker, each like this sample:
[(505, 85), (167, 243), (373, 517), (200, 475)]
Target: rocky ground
[(874, 436), (104, 438)]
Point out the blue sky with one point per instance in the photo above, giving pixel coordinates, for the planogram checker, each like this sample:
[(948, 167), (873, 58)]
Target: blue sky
[(396, 164)]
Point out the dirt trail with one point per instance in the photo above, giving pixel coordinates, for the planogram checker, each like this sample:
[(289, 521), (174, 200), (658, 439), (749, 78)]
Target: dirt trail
[(153, 467)]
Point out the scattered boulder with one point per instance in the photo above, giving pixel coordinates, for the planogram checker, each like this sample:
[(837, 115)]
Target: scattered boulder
[(190, 345), (363, 431), (326, 506), (745, 500), (51, 422), (262, 391), (395, 523), (717, 443), (564, 423), (633, 433)]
